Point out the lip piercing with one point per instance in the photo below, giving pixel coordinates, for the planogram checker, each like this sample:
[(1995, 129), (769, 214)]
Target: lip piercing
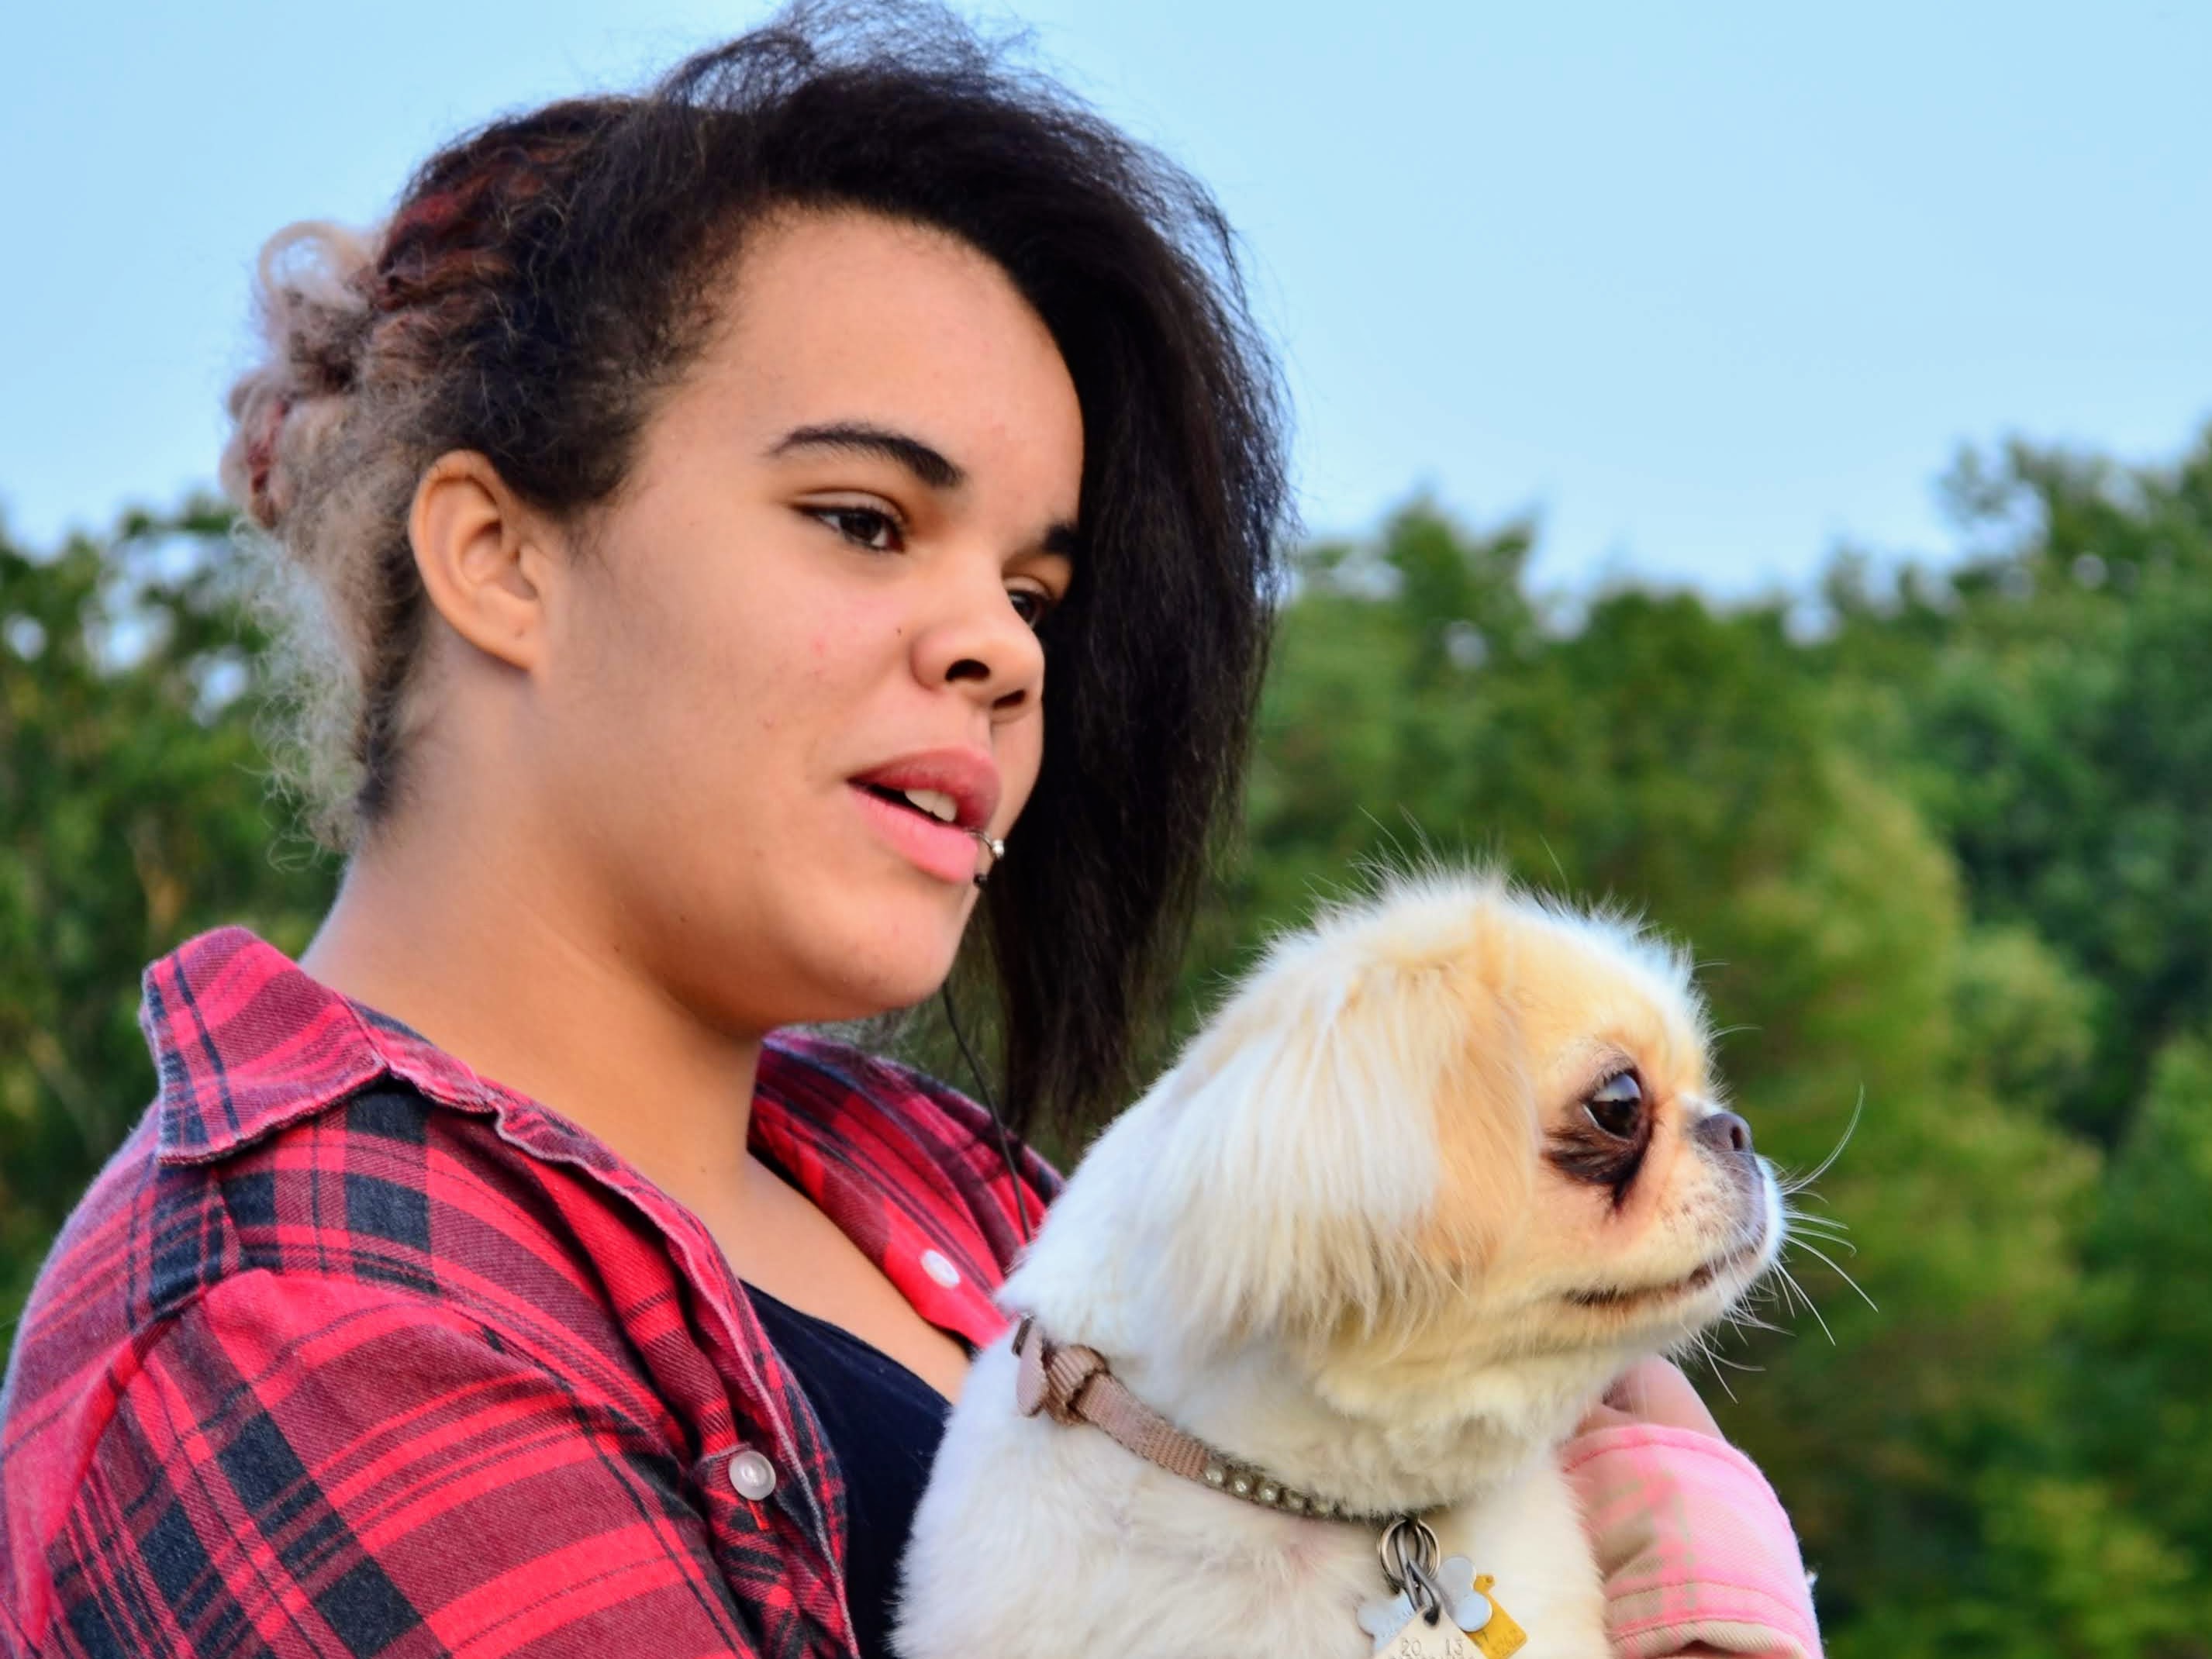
[(995, 848)]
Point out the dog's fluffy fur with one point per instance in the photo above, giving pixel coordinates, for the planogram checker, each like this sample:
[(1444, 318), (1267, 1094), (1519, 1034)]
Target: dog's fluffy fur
[(1368, 1235)]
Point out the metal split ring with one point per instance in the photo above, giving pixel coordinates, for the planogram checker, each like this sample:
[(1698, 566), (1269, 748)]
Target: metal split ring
[(1411, 1556)]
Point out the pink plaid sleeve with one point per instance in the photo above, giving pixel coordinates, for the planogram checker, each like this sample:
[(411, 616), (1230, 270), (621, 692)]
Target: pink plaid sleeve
[(1696, 1551)]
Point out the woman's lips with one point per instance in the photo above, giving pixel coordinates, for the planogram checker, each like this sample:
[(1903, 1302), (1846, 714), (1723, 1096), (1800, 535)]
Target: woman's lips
[(943, 850), (968, 776)]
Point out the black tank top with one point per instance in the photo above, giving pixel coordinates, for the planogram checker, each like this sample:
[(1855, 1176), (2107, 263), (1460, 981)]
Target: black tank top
[(882, 1424)]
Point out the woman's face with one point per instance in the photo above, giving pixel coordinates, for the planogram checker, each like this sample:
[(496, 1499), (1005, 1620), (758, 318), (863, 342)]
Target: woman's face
[(814, 597)]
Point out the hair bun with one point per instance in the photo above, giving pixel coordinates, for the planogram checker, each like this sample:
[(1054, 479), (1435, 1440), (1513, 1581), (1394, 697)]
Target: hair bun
[(311, 305)]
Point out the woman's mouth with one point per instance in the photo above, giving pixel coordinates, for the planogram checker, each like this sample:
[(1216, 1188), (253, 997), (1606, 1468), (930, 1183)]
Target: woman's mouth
[(931, 805)]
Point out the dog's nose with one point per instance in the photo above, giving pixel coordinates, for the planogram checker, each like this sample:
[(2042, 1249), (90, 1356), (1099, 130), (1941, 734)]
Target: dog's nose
[(1724, 1131)]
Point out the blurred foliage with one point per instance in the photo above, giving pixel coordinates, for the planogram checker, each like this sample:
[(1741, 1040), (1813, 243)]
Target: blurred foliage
[(133, 814), (1941, 839)]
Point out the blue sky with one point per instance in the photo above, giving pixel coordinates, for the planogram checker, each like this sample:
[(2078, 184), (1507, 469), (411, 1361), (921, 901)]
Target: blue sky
[(1709, 288)]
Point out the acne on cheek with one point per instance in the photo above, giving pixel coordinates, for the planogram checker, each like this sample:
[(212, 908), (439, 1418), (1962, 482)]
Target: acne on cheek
[(826, 648)]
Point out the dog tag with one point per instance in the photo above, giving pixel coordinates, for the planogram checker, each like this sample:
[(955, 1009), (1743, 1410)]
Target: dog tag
[(1473, 1626), (1499, 1637)]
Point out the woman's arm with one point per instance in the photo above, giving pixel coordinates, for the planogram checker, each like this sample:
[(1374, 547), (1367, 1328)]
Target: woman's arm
[(306, 1466), (1697, 1554)]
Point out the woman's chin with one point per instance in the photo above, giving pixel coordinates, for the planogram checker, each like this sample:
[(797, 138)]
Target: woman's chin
[(870, 958), (829, 940)]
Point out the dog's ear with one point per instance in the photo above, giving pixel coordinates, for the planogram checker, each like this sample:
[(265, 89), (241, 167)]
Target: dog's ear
[(1349, 1138)]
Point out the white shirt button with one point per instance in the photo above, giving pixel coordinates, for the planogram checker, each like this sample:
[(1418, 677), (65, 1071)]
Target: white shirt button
[(751, 1475), (939, 1269)]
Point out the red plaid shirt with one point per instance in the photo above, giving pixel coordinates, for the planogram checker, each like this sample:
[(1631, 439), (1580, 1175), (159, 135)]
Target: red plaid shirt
[(352, 1351)]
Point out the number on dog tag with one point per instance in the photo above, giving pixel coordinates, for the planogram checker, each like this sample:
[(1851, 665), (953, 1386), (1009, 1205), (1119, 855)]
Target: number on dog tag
[(1419, 1639)]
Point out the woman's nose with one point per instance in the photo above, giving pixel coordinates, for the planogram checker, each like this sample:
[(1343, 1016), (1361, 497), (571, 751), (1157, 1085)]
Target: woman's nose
[(981, 643)]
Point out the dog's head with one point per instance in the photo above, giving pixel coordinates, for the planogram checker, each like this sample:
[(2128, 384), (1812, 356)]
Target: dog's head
[(1453, 1131)]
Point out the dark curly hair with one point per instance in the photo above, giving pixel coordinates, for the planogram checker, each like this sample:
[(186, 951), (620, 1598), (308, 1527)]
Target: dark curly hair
[(545, 280)]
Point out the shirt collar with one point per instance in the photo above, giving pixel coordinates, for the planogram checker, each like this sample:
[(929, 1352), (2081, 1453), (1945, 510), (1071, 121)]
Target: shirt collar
[(245, 1042)]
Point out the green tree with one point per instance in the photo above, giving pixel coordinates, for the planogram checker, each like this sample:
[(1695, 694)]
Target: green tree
[(2050, 705), (2146, 1412), (132, 815)]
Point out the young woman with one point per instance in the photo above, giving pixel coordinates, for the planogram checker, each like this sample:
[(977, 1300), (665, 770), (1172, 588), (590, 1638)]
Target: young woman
[(697, 489)]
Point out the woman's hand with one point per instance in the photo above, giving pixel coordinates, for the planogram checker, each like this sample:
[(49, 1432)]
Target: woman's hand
[(1697, 1558), (1652, 1391)]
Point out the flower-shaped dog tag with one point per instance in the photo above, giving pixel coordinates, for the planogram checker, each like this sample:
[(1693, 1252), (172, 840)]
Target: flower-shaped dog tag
[(1498, 1638)]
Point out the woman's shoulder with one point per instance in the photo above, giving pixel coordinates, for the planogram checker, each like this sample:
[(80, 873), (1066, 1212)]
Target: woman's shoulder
[(383, 1186)]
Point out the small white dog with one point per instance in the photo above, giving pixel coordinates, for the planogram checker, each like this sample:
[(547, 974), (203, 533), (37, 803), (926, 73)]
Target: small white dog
[(1448, 1162)]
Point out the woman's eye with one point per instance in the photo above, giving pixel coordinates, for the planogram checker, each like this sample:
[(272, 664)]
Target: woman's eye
[(863, 526), (1616, 1105), (1029, 604)]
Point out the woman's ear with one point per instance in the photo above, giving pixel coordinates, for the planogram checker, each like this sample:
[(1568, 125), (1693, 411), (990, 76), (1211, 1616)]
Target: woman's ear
[(1301, 1176), (482, 557)]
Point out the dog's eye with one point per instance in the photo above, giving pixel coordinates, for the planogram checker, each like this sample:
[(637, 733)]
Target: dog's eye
[(1616, 1105)]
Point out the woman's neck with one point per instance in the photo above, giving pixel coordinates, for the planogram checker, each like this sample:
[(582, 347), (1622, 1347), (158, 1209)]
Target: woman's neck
[(476, 954)]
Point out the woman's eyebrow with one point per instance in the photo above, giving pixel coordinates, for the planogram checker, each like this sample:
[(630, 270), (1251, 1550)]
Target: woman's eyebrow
[(858, 437)]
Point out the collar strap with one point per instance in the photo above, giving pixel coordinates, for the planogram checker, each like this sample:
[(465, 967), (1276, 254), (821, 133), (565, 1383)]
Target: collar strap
[(1073, 1384)]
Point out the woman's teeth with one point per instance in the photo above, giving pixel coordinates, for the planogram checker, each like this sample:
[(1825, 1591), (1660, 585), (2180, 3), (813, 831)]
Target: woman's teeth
[(938, 805)]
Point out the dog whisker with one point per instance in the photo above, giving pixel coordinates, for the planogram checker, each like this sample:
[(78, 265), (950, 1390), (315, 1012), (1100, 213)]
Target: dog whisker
[(1838, 1269), (1720, 1363), (1698, 1347), (1792, 1202), (1828, 1231), (1791, 1279), (1821, 1226), (1806, 1219), (1796, 1184), (1743, 1321), (1791, 1212)]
